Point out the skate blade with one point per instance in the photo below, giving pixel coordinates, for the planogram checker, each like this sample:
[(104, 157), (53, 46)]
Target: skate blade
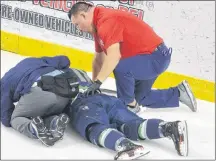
[(138, 153), (183, 145), (191, 95)]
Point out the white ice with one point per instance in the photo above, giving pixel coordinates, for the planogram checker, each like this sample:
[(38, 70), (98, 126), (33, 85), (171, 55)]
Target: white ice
[(201, 126)]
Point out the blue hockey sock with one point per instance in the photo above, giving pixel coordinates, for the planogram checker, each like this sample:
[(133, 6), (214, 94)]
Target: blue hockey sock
[(103, 135), (111, 138), (150, 129), (130, 129)]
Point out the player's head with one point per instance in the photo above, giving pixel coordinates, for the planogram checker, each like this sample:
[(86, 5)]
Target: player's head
[(81, 15)]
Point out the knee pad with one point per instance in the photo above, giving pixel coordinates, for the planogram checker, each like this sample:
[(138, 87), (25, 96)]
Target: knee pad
[(93, 132), (130, 129)]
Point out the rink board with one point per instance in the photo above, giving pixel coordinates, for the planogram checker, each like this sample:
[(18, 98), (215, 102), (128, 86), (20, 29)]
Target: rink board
[(203, 89)]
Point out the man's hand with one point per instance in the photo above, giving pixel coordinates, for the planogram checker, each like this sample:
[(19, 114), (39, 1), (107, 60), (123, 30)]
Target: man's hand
[(95, 87)]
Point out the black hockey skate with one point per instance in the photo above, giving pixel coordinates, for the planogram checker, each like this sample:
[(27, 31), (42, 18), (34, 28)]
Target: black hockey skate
[(58, 126), (39, 130), (129, 151), (177, 131), (186, 96)]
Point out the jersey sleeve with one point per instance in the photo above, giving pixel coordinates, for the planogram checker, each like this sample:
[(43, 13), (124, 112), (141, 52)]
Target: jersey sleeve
[(97, 46), (111, 32)]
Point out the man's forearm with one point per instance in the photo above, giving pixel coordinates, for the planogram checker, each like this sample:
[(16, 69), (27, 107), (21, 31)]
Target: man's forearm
[(97, 64), (110, 62), (96, 67), (107, 68)]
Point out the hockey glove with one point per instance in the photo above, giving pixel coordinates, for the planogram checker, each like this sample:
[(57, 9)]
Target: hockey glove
[(94, 88)]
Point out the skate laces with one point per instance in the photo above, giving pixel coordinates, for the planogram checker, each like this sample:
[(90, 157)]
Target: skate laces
[(170, 133), (125, 145), (43, 132), (40, 126), (58, 126), (167, 129)]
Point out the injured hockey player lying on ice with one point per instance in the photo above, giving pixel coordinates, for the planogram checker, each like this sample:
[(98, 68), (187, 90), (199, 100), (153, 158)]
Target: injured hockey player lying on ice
[(39, 83), (106, 122)]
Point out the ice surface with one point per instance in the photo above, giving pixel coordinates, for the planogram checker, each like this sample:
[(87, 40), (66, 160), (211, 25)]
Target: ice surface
[(201, 126)]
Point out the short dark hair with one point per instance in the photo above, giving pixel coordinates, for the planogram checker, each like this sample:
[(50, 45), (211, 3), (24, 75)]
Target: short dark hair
[(78, 7)]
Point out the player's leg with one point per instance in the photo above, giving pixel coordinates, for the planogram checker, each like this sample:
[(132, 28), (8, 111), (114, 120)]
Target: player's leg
[(57, 120), (27, 116), (56, 125), (90, 119), (110, 138), (155, 129), (137, 128)]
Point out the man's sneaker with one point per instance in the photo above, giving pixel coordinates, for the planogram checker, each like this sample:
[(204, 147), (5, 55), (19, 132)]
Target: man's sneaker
[(178, 132), (39, 130), (186, 96), (127, 150), (58, 126), (135, 109)]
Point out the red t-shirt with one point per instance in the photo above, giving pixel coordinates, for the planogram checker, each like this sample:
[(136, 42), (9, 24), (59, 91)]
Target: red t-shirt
[(133, 34)]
